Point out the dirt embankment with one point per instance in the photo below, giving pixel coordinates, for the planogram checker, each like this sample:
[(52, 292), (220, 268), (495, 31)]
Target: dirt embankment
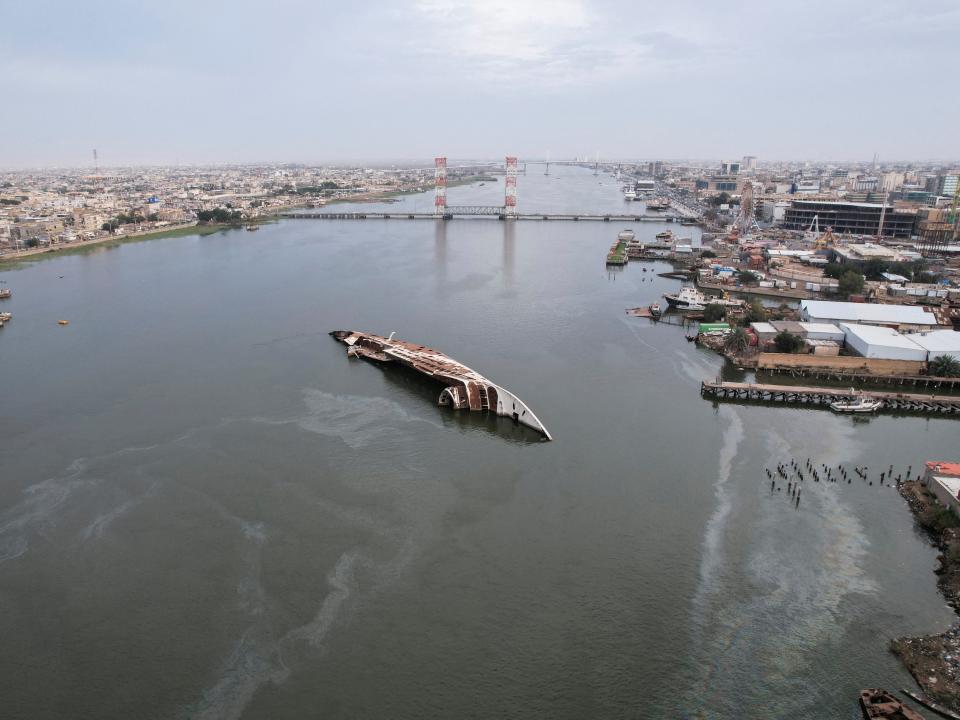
[(934, 660)]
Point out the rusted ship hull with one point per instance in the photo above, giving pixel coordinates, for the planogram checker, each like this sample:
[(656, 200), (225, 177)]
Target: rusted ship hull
[(466, 389), (877, 703)]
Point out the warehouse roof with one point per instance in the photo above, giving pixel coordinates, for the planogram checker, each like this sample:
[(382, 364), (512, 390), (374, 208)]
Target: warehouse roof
[(880, 336), (867, 312), (815, 327), (937, 340)]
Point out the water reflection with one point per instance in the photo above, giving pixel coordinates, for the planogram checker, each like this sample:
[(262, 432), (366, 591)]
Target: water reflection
[(440, 253), (509, 234)]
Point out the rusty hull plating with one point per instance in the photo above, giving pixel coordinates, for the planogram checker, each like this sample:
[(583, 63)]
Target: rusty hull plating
[(465, 389)]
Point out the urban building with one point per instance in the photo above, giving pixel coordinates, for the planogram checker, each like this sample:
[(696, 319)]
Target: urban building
[(901, 317), (851, 217)]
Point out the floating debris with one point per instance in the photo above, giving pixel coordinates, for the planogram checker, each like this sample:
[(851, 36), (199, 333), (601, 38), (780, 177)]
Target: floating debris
[(466, 388)]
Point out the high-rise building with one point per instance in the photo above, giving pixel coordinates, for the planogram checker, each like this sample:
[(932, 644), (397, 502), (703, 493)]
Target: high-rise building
[(947, 185), (729, 168), (749, 163)]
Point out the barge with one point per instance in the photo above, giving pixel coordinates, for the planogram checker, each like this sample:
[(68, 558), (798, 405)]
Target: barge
[(465, 388)]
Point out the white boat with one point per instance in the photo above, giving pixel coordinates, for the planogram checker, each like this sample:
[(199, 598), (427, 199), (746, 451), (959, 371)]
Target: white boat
[(687, 299), (692, 299), (629, 193), (626, 235), (860, 405)]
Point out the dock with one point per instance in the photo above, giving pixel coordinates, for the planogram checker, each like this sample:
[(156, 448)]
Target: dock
[(465, 388), (913, 402)]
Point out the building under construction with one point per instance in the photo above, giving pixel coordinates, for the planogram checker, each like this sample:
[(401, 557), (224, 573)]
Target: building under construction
[(851, 217)]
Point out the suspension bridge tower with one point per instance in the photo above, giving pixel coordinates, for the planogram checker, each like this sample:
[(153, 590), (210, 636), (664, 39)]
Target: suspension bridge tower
[(440, 187), (510, 188)]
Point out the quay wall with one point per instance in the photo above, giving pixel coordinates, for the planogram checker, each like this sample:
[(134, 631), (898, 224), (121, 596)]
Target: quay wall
[(872, 366)]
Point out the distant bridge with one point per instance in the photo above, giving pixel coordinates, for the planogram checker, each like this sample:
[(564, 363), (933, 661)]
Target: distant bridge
[(486, 211)]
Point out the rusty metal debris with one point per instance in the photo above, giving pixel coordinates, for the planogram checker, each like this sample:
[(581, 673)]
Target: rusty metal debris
[(466, 389)]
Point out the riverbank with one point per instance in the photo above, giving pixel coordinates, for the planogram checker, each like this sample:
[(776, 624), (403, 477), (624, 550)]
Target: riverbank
[(934, 660), (12, 261)]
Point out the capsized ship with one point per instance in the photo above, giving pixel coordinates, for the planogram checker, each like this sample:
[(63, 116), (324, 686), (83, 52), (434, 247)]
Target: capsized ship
[(466, 389)]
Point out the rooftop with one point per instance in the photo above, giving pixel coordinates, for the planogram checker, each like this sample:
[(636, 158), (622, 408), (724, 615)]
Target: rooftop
[(937, 340), (858, 312), (880, 335), (944, 468)]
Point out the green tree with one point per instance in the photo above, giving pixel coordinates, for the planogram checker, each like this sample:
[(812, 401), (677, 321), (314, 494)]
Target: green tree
[(756, 312), (944, 366), (737, 342), (714, 313), (747, 278), (874, 268), (708, 254), (851, 283), (833, 270), (787, 342)]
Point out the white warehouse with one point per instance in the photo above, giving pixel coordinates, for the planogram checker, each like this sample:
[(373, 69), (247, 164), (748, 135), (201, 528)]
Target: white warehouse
[(905, 317), (938, 342), (882, 343)]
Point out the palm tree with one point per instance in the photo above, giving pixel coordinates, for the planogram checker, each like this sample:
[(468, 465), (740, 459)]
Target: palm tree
[(944, 366), (737, 342)]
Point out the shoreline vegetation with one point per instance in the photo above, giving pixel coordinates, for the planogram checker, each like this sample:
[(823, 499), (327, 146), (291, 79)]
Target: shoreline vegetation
[(934, 660), (15, 260)]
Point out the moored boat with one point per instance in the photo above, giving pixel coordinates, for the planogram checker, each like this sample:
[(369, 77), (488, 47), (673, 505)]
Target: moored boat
[(687, 299), (877, 703), (655, 310), (860, 405), (5, 293)]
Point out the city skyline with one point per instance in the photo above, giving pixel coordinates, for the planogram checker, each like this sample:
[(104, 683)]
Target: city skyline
[(175, 84)]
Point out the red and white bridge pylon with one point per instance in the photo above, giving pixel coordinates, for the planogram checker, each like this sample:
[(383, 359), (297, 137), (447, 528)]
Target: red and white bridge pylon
[(440, 186), (510, 188)]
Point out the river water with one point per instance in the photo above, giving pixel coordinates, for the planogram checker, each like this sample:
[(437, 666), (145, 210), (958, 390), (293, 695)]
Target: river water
[(208, 511)]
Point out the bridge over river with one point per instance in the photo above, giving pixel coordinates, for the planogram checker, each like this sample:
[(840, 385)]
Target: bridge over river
[(491, 212)]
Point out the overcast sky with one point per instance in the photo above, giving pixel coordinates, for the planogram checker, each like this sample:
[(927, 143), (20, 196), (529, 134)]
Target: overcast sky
[(199, 81)]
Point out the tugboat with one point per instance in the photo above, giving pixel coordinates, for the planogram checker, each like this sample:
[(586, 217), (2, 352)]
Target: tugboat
[(877, 703)]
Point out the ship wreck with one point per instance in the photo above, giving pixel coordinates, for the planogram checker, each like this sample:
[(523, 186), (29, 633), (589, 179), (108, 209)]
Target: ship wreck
[(466, 389)]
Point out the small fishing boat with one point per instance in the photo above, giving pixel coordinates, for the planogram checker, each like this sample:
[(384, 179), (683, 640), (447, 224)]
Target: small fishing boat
[(253, 228), (5, 293), (877, 703), (655, 310), (6, 317), (860, 405), (63, 322)]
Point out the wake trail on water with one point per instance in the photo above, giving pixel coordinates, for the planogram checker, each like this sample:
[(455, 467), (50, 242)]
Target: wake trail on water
[(757, 625)]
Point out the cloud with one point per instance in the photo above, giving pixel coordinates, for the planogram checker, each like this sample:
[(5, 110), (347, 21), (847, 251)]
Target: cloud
[(544, 43)]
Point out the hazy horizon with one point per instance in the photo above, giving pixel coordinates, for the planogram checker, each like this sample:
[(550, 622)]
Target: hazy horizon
[(292, 82)]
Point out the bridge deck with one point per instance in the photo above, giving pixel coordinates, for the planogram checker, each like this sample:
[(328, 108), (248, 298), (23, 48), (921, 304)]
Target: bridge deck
[(586, 217)]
